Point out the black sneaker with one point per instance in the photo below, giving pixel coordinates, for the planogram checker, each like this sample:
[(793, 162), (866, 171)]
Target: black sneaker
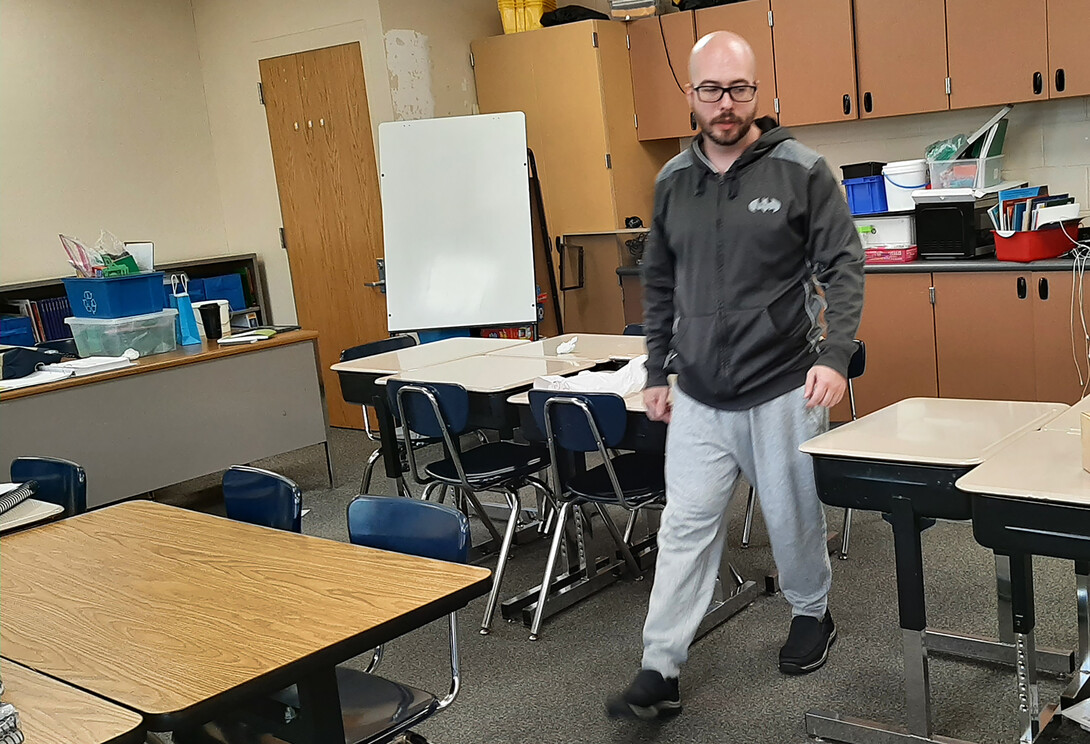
[(808, 644), (649, 696)]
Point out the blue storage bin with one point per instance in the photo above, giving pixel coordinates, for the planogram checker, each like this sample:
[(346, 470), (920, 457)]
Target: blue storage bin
[(866, 195), (426, 337), (16, 330), (116, 296), (227, 287)]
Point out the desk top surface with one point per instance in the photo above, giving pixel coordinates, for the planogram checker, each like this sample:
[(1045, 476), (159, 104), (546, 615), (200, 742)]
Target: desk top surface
[(28, 512), (160, 609), (183, 355), (633, 402), (493, 374), (1071, 419), (51, 711), (588, 347), (934, 431), (1041, 466), (426, 355)]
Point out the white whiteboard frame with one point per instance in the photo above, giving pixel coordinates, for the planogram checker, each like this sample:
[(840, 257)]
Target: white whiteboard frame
[(456, 222)]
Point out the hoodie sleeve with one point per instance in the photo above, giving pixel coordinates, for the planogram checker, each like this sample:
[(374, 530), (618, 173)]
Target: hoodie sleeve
[(836, 260), (658, 294)]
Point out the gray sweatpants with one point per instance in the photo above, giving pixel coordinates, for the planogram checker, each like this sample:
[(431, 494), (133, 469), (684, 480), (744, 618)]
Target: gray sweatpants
[(706, 448)]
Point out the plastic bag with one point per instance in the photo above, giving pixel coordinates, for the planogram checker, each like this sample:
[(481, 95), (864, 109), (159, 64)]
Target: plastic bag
[(629, 379), (185, 326)]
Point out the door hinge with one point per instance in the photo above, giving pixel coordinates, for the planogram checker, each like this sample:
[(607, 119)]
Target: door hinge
[(472, 61), (260, 94), (776, 104), (636, 120), (948, 87), (283, 239), (627, 41), (594, 39), (770, 19), (609, 161), (931, 292)]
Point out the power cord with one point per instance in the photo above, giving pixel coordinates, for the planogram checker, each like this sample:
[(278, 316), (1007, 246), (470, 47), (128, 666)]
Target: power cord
[(666, 49), (1080, 255)]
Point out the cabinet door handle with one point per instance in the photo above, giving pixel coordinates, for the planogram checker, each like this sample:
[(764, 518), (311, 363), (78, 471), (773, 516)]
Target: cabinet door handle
[(1061, 80), (1038, 83), (847, 104), (1042, 288), (1022, 292), (868, 102)]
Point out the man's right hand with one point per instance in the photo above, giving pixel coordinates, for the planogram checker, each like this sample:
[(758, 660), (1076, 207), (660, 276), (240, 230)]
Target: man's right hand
[(657, 400)]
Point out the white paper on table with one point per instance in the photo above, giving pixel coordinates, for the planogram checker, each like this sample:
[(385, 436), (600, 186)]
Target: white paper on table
[(629, 379), (568, 346), (38, 377)]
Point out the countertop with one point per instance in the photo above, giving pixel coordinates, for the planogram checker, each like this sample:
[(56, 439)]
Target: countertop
[(990, 263)]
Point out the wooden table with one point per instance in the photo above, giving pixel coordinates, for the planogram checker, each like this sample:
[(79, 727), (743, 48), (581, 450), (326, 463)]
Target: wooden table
[(426, 355), (589, 347), (28, 512), (181, 615), (1071, 419), (902, 461), (51, 711), (175, 416)]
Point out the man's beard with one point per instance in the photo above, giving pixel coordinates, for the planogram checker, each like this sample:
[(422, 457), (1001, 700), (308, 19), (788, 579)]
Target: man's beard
[(730, 138)]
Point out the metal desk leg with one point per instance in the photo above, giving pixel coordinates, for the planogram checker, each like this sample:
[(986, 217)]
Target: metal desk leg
[(1029, 706), (725, 605), (966, 646), (1078, 689)]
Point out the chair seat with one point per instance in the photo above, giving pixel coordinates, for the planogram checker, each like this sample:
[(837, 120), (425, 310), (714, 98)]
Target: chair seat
[(369, 704), (642, 478), (492, 462)]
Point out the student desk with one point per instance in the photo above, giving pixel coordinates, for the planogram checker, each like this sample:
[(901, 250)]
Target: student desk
[(51, 711), (1034, 499), (903, 460), (175, 416), (180, 615), (27, 513), (589, 347)]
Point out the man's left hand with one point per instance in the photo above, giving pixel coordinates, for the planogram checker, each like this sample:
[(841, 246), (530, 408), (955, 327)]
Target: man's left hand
[(824, 386)]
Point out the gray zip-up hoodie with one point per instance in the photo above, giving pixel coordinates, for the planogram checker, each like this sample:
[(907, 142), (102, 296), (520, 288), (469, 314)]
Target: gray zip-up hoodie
[(730, 271)]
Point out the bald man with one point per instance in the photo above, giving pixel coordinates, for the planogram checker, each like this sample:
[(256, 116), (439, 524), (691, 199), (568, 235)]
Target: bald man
[(748, 224)]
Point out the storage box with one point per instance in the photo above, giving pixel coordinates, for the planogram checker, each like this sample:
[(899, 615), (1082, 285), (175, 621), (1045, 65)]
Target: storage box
[(16, 330), (227, 287), (152, 333), (523, 15), (902, 255), (1036, 245), (861, 170), (117, 296), (886, 231), (966, 174), (866, 195)]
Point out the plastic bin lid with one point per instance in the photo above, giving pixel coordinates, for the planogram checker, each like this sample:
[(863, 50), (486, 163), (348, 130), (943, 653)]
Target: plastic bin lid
[(903, 166), (126, 319)]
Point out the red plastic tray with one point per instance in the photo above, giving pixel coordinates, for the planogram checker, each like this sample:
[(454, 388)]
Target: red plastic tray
[(1036, 245), (890, 255)]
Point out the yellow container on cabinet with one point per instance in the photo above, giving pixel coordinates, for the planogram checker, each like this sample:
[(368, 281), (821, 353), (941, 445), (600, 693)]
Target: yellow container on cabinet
[(523, 15)]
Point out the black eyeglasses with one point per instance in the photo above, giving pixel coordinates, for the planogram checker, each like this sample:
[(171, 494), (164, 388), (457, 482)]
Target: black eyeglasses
[(714, 93)]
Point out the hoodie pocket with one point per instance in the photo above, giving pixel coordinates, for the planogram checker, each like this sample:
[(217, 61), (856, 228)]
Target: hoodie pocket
[(695, 342), (760, 349)]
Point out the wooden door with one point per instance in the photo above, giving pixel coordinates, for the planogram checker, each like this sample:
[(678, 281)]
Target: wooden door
[(1055, 324), (323, 155), (898, 328), (660, 48), (998, 51), (748, 19), (984, 335), (900, 49), (814, 47), (1068, 48)]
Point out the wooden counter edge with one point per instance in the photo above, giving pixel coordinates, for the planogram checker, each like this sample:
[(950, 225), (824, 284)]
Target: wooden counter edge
[(180, 357)]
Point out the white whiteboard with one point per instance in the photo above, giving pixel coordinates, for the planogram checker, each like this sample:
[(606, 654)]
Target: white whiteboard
[(456, 222)]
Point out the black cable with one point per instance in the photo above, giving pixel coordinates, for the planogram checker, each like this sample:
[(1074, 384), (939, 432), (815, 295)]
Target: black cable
[(666, 49)]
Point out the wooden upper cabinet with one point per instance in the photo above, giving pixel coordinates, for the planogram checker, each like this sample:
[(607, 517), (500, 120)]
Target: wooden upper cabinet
[(657, 44), (815, 60), (900, 49), (1068, 48), (748, 19), (998, 51)]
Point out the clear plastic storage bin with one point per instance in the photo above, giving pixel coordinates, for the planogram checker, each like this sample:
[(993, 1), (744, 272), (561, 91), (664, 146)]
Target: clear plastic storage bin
[(966, 174), (148, 334)]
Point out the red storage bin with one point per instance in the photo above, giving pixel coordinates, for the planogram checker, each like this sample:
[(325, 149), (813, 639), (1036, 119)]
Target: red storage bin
[(1036, 245)]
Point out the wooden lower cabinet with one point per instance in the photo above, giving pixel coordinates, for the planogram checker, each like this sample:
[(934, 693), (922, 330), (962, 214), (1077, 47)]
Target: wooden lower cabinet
[(1055, 323)]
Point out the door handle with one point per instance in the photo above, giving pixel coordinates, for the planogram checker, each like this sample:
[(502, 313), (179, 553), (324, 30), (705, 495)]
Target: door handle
[(1042, 288), (1038, 83), (847, 102), (1022, 291), (381, 283), (1061, 80), (868, 102)]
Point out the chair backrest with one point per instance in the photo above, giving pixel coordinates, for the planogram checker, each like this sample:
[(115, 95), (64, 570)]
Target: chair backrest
[(573, 417), (262, 497), (858, 362), (421, 528), (634, 329), (60, 481), (415, 404), (394, 343)]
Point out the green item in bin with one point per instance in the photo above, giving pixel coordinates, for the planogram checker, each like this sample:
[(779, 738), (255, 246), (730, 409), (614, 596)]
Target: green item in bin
[(123, 265)]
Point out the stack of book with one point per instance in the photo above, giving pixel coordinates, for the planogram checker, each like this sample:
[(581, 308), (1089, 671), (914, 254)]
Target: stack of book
[(48, 317), (1032, 208)]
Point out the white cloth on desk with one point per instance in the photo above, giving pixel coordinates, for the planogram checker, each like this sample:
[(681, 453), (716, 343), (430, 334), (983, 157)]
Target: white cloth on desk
[(629, 379)]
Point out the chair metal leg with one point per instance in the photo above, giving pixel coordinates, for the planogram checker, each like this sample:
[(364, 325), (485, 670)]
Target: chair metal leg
[(429, 489), (486, 519), (747, 528), (550, 568), (622, 546), (514, 503), (630, 525), (846, 535), (369, 469)]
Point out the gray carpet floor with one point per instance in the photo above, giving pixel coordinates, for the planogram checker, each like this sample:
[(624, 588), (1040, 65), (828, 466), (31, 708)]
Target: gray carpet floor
[(553, 690)]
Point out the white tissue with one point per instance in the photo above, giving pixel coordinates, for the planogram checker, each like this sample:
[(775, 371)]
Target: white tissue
[(629, 379), (568, 346), (131, 354)]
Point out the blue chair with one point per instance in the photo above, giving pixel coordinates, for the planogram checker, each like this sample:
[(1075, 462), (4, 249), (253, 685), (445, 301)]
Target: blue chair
[(60, 481), (634, 329), (584, 423), (441, 411), (263, 498)]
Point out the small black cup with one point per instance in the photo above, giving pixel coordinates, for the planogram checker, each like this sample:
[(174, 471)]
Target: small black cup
[(210, 317)]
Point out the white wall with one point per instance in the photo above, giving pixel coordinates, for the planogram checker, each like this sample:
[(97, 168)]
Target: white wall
[(102, 125)]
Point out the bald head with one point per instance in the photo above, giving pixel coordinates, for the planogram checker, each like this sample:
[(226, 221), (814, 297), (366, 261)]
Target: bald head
[(722, 58)]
